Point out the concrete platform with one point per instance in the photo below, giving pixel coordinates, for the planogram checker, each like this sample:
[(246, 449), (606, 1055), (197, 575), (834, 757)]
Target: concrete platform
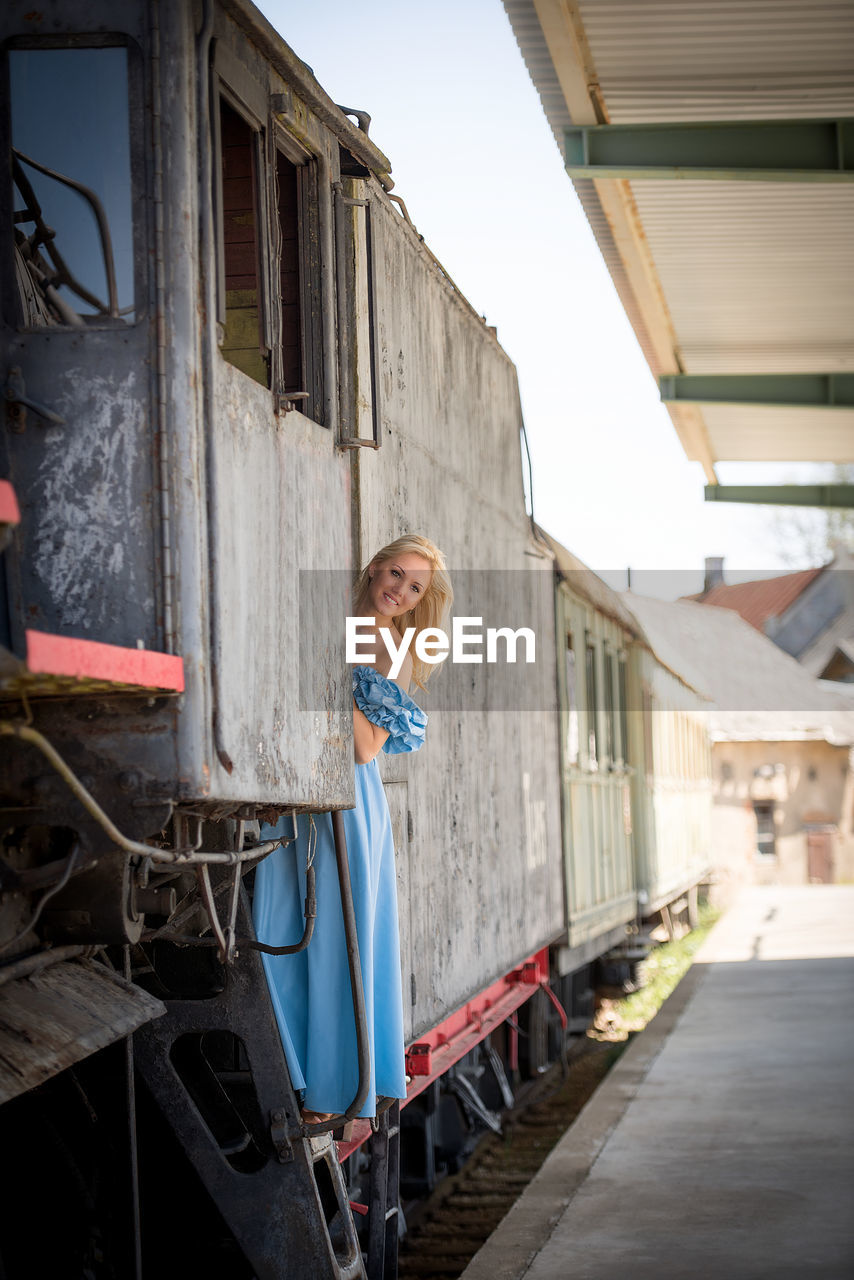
[(722, 1142)]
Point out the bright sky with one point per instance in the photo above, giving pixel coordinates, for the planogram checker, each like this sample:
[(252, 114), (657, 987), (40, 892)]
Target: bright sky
[(473, 158)]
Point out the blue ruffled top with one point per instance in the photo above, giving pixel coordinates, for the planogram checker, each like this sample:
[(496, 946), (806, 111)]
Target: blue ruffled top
[(389, 707)]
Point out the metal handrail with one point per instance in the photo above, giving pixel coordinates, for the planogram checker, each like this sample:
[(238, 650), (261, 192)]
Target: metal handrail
[(363, 1048)]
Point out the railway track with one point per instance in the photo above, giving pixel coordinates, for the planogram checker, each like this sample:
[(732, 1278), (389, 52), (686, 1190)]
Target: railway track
[(446, 1230)]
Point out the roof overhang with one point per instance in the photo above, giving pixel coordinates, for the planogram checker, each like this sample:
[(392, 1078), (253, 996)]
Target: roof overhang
[(712, 149)]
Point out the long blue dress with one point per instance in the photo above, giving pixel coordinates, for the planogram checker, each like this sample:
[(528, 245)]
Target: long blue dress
[(310, 991)]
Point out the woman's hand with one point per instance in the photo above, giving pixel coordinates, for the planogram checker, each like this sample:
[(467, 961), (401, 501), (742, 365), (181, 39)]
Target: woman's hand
[(368, 738)]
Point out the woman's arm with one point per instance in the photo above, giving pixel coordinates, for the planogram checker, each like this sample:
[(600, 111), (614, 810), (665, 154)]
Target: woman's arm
[(368, 738)]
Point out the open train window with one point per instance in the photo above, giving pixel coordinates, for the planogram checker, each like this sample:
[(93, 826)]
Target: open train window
[(243, 343), (623, 706), (357, 254), (297, 373), (611, 750), (592, 705), (571, 703), (269, 302), (287, 193), (651, 765), (71, 169)]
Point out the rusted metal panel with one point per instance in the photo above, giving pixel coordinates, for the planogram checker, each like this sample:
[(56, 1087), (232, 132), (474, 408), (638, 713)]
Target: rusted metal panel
[(53, 1018), (83, 550)]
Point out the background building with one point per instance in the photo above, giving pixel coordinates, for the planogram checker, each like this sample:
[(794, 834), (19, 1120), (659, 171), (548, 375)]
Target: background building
[(781, 748)]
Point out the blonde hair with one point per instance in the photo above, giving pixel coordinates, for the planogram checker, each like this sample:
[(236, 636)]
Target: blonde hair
[(434, 605)]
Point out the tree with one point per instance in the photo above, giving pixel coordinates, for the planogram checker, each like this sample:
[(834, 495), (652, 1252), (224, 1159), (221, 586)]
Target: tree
[(805, 536)]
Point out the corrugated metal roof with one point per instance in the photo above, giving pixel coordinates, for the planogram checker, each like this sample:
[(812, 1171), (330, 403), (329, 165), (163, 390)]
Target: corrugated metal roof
[(757, 601), (755, 277), (722, 59), (758, 276), (749, 432), (538, 60)]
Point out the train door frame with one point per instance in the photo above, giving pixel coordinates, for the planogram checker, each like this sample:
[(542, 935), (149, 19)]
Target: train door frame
[(100, 436)]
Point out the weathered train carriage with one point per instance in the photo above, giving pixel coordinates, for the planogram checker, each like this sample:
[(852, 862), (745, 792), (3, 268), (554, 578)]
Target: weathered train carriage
[(174, 506), (670, 748), (478, 809), (210, 354), (176, 392), (635, 772), (595, 636)]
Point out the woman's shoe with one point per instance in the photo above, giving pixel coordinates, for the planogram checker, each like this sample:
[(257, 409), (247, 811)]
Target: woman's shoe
[(316, 1117)]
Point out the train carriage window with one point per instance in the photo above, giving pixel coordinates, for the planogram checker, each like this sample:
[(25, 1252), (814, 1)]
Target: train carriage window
[(622, 697), (243, 342), (269, 301), (287, 192), (71, 174), (592, 705), (649, 750), (571, 703), (610, 749), (296, 366)]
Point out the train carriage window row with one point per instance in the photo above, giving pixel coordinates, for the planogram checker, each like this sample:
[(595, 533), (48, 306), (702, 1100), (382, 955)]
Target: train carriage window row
[(597, 713)]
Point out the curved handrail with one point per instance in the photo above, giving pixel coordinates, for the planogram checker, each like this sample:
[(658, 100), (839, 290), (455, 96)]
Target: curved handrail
[(363, 1048)]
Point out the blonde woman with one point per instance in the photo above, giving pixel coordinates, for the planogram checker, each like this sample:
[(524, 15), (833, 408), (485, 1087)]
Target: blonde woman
[(405, 585)]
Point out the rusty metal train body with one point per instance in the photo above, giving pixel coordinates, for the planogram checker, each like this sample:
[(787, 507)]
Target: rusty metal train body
[(233, 370)]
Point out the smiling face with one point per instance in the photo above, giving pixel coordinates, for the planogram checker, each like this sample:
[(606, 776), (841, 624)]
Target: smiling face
[(396, 586)]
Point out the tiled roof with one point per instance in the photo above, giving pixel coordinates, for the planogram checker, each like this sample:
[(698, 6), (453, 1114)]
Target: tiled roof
[(758, 601)]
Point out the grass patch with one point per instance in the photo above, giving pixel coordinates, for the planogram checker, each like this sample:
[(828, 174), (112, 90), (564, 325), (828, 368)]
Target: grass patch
[(659, 975)]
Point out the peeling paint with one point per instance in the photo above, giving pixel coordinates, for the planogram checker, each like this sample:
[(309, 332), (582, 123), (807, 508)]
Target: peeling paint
[(90, 524)]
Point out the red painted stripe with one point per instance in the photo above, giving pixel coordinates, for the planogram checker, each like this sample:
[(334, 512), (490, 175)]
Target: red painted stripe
[(9, 511), (91, 660), (462, 1030)]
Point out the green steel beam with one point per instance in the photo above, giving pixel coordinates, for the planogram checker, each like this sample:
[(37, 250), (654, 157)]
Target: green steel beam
[(763, 150), (784, 495), (786, 390)]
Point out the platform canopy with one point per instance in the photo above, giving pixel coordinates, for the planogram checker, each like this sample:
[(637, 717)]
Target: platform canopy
[(712, 148)]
